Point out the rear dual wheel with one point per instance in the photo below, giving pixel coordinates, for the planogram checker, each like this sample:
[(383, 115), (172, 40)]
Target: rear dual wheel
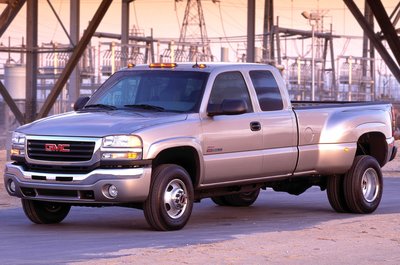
[(363, 185), (335, 192), (359, 190)]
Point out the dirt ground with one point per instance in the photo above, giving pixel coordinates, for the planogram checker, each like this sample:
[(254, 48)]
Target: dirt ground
[(371, 239)]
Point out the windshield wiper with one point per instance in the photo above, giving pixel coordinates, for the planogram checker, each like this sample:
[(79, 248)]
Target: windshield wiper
[(103, 106), (145, 106)]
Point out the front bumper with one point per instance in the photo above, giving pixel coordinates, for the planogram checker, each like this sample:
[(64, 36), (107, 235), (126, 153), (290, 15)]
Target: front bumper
[(133, 185)]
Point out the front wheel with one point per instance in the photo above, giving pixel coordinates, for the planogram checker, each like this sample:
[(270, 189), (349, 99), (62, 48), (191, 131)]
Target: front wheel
[(170, 200), (363, 185), (41, 212)]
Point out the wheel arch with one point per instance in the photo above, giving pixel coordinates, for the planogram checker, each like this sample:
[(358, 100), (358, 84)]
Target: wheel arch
[(375, 145), (184, 156)]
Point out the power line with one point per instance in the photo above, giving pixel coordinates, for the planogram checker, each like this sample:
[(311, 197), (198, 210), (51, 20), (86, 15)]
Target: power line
[(223, 27)]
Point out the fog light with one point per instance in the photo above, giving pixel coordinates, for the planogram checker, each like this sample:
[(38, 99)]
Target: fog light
[(11, 186), (112, 191), (14, 152)]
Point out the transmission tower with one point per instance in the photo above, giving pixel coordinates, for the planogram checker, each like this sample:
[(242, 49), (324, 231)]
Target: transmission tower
[(193, 41)]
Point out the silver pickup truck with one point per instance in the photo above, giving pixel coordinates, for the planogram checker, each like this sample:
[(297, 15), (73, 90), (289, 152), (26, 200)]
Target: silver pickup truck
[(160, 137)]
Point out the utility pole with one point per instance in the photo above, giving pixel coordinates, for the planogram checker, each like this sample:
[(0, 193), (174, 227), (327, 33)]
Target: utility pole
[(74, 80), (251, 25), (31, 60), (369, 17), (268, 54)]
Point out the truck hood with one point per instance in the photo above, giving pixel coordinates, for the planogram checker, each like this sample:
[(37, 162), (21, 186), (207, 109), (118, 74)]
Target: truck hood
[(98, 123)]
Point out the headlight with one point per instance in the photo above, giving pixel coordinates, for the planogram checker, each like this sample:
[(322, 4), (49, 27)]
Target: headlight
[(122, 141), (121, 147), (18, 138), (18, 144)]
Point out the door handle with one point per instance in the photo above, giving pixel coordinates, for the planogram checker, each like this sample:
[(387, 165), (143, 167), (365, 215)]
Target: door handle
[(255, 126)]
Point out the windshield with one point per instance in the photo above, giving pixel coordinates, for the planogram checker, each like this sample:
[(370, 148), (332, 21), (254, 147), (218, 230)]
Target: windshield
[(178, 91)]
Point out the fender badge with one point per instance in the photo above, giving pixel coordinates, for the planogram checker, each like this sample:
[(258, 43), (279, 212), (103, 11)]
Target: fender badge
[(213, 149)]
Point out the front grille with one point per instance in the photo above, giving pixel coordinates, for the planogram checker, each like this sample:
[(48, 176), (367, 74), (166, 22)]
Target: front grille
[(77, 151), (59, 168)]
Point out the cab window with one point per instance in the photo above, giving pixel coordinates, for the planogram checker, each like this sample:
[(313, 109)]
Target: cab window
[(230, 85), (268, 93)]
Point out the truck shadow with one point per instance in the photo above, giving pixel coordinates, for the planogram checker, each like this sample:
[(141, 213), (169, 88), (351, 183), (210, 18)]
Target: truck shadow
[(88, 230)]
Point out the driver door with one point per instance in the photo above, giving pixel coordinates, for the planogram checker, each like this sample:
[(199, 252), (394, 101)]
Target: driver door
[(231, 143)]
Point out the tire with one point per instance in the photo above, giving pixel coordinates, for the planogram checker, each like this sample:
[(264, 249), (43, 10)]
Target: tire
[(219, 200), (363, 185), (170, 201), (243, 199), (335, 192), (41, 212)]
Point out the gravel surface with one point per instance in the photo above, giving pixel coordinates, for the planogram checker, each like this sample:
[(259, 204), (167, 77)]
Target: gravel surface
[(370, 239)]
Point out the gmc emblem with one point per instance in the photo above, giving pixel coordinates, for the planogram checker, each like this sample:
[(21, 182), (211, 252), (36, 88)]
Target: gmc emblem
[(57, 148)]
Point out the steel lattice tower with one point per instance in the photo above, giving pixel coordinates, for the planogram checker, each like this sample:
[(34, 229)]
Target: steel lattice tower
[(193, 41)]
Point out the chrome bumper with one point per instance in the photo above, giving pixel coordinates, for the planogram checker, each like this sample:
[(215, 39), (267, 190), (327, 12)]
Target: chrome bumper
[(133, 185)]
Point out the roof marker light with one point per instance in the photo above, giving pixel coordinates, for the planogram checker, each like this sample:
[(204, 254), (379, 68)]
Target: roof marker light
[(200, 65), (163, 65)]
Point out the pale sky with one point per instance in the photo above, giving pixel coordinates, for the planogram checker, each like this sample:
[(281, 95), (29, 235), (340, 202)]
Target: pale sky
[(163, 17), (226, 18)]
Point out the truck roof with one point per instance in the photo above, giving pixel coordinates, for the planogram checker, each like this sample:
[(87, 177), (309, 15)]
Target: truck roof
[(197, 66)]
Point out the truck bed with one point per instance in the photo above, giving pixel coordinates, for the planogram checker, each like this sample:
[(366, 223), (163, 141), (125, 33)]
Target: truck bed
[(333, 104), (322, 125)]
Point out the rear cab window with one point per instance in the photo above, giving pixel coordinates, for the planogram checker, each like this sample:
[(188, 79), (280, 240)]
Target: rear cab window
[(267, 89)]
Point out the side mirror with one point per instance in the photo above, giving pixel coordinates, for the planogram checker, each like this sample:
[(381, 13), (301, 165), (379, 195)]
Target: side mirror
[(80, 103), (228, 107)]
